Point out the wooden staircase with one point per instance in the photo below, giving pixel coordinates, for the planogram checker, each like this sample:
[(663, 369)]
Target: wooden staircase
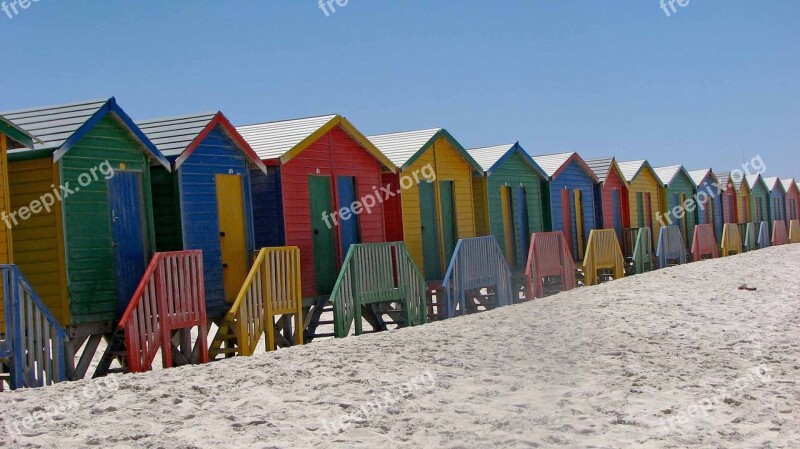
[(168, 303), (272, 290)]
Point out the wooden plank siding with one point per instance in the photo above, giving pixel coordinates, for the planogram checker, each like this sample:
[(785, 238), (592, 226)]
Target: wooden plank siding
[(680, 189), (449, 165), (743, 206), (39, 241), (712, 207), (514, 172), (333, 154), (166, 210), (646, 182), (614, 182), (482, 214), (573, 178), (6, 244), (267, 207), (90, 259), (759, 203), (216, 154)]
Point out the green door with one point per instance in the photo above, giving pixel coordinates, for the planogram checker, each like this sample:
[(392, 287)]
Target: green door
[(449, 237), (431, 256), (319, 190)]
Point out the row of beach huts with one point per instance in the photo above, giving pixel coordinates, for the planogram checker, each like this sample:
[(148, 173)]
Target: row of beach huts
[(189, 238)]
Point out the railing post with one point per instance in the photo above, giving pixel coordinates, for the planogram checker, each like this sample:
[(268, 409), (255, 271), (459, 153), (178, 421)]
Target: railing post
[(357, 261), (161, 308)]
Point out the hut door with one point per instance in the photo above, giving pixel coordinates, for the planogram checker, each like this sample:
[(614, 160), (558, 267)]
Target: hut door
[(579, 232), (319, 190), (447, 202), (127, 233), (617, 211), (566, 219), (523, 232), (431, 254), (640, 209), (508, 223), (232, 238), (346, 187), (648, 211)]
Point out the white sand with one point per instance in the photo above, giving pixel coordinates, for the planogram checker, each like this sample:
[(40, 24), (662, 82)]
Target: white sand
[(598, 367)]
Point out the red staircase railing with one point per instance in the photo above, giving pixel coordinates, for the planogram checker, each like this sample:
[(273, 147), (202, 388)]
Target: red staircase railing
[(779, 234), (704, 242), (171, 296), (549, 256)]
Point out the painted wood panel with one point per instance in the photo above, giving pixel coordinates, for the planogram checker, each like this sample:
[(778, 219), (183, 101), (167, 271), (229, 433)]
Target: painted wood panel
[(514, 172), (267, 208), (87, 228), (333, 154), (38, 241), (680, 189), (199, 209), (646, 183), (448, 165), (572, 178), (743, 206), (615, 187)]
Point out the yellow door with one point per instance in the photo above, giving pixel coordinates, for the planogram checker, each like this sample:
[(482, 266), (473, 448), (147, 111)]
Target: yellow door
[(508, 223), (233, 241)]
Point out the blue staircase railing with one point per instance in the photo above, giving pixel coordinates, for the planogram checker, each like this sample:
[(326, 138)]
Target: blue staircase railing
[(32, 343), (671, 247), (477, 263)]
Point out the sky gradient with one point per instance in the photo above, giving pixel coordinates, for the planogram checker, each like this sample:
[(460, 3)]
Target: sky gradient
[(711, 85)]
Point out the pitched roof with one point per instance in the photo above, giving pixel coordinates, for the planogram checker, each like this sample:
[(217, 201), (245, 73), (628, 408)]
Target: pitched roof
[(284, 139), (737, 177), (773, 182), (668, 174), (723, 177), (60, 127), (53, 125), (752, 180), (17, 135), (489, 158), (403, 148), (553, 164), (631, 169), (788, 184), (179, 136), (699, 176), (600, 167)]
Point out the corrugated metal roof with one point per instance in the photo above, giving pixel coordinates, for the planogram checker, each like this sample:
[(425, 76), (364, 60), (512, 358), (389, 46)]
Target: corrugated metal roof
[(698, 176), (600, 167), (551, 163), (172, 135), (17, 137), (401, 147), (630, 169), (667, 174), (53, 125), (772, 182), (271, 140), (723, 178), (487, 157), (737, 177)]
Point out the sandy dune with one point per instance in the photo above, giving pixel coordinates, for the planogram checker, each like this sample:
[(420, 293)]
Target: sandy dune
[(676, 358)]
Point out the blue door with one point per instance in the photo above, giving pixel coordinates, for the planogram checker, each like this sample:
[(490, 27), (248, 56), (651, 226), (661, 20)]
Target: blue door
[(127, 233), (615, 209), (346, 185), (521, 224)]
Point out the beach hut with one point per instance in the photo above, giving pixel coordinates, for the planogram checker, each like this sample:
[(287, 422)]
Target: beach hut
[(612, 191), (86, 248), (205, 202), (777, 203), (508, 198), (317, 168), (759, 198), (792, 199), (643, 190), (572, 201), (11, 137), (709, 205), (429, 217), (743, 198), (677, 199), (728, 197)]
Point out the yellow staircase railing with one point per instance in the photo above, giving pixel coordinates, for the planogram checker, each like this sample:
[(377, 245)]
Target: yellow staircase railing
[(603, 253), (272, 289)]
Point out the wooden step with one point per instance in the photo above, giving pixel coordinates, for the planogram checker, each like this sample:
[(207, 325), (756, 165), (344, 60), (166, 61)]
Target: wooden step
[(222, 351)]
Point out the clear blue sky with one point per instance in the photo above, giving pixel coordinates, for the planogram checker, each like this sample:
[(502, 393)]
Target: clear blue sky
[(716, 81)]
